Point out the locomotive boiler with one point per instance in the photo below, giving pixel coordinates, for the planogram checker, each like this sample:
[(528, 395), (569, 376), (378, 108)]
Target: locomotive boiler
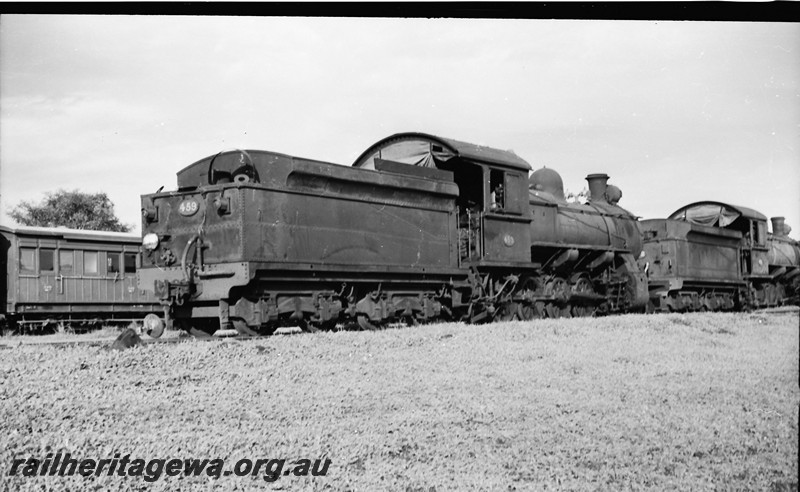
[(784, 264), (587, 246), (419, 228)]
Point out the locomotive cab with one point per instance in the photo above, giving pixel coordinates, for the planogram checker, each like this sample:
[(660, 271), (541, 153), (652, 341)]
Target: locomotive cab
[(751, 224), (493, 216)]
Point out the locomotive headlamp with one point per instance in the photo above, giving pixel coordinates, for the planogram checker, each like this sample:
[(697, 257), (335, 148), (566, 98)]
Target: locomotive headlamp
[(150, 241)]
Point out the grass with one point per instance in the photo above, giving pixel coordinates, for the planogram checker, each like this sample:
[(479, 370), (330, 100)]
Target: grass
[(679, 402), (105, 333)]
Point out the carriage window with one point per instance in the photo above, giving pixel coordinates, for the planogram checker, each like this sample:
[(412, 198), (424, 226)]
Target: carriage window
[(130, 262), (26, 260), (66, 261), (90, 262), (113, 262), (47, 260)]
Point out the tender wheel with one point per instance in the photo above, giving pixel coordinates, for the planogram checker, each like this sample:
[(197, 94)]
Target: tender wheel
[(306, 326), (242, 329), (364, 323), (198, 328)]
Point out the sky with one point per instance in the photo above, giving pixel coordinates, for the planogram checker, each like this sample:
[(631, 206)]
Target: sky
[(673, 111)]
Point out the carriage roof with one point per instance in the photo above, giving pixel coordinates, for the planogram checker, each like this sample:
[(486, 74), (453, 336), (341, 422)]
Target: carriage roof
[(72, 234)]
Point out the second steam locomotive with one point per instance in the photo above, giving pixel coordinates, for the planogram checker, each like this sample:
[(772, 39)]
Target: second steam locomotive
[(419, 228)]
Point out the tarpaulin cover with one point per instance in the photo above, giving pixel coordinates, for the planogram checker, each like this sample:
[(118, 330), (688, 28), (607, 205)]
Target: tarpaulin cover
[(422, 149), (708, 215), (414, 152)]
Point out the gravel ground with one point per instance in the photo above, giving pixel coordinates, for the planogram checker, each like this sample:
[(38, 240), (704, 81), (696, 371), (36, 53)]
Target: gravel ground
[(657, 402)]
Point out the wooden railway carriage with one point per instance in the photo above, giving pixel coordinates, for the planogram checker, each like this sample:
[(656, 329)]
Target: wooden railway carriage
[(66, 276), (419, 228), (716, 256)]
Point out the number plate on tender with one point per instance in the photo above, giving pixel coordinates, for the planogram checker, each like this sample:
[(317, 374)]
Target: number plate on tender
[(188, 207)]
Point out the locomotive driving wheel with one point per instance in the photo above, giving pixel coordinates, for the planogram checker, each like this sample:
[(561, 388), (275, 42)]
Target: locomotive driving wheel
[(507, 311), (528, 308), (365, 324), (527, 311), (559, 289), (583, 286)]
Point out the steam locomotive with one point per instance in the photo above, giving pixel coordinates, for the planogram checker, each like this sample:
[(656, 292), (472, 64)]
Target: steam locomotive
[(419, 228), (423, 228), (709, 255)]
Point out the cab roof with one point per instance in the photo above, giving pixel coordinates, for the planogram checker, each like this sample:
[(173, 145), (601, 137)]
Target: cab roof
[(422, 149), (713, 212)]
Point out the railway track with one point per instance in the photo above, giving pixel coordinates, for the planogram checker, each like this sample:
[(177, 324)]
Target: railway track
[(106, 342)]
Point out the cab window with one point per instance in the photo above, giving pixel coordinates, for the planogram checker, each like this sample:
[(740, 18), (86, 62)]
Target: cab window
[(497, 190), (513, 199), (760, 232), (504, 192)]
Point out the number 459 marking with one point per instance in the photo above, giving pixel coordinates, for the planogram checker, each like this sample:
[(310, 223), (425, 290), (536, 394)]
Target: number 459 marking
[(188, 207)]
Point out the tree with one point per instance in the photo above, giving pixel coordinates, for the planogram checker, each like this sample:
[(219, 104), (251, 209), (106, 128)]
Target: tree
[(580, 197), (73, 209)]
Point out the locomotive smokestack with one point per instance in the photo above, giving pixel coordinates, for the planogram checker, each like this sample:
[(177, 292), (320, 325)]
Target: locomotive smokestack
[(778, 226), (597, 186)]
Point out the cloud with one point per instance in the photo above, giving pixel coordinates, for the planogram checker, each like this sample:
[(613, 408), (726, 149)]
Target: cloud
[(672, 110)]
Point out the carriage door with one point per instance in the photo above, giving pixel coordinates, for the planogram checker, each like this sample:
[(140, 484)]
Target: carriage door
[(48, 281), (117, 282), (129, 260), (66, 279)]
